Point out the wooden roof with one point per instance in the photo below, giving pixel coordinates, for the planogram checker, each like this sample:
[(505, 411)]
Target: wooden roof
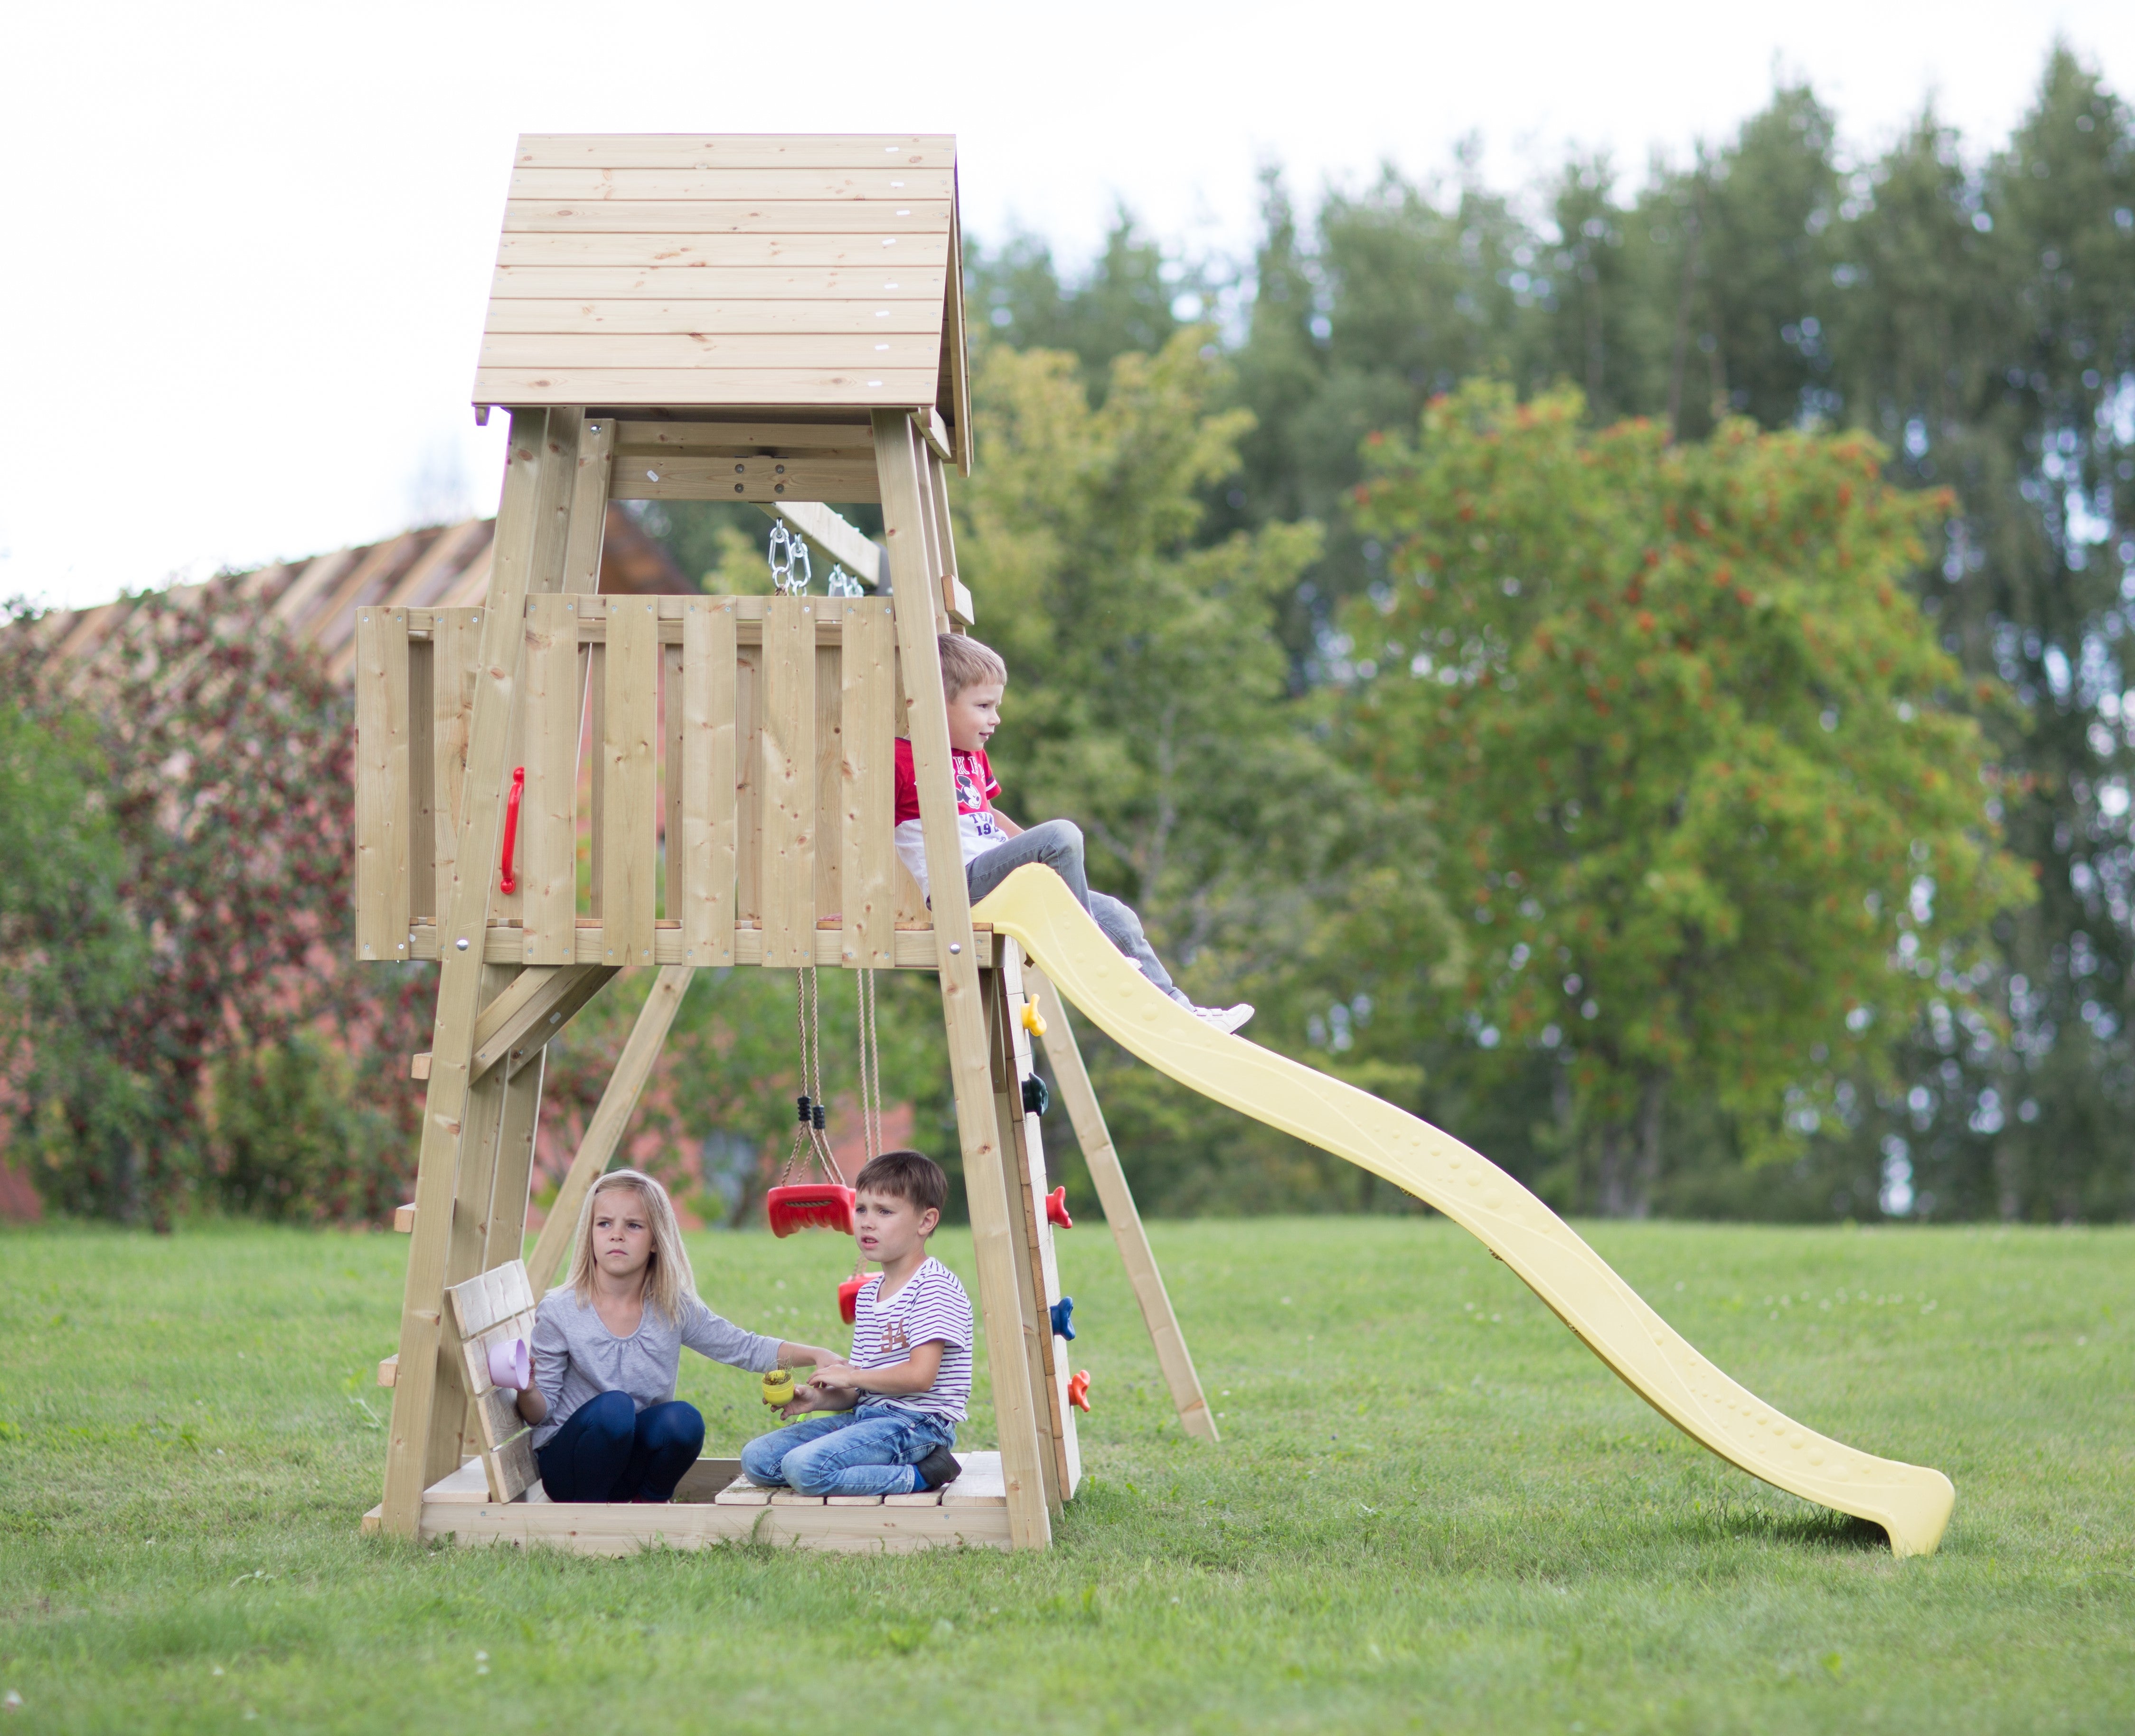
[(444, 567), (692, 271)]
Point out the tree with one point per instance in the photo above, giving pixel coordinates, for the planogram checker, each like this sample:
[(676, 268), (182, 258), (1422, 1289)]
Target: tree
[(211, 837), (1148, 701), (1720, 819)]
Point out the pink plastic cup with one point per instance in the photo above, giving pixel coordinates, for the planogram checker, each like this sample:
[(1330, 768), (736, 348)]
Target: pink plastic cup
[(511, 1364)]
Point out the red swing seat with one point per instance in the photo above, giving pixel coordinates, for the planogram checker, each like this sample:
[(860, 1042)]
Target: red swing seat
[(810, 1205)]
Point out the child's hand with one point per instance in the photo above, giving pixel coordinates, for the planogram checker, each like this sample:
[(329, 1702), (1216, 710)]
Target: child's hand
[(804, 1400), (837, 1375)]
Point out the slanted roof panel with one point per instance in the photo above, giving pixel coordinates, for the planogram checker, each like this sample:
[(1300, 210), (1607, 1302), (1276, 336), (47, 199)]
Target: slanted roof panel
[(680, 271)]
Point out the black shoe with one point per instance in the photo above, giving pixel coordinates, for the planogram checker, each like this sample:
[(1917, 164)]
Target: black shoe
[(939, 1466)]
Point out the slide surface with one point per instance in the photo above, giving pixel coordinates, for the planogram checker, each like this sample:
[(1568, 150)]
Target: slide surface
[(1911, 1502)]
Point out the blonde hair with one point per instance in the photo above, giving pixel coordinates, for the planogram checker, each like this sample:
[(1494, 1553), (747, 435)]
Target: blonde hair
[(965, 662), (668, 1278)]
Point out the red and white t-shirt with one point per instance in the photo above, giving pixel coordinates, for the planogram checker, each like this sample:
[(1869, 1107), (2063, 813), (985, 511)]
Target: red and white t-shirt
[(977, 828), (932, 1307)]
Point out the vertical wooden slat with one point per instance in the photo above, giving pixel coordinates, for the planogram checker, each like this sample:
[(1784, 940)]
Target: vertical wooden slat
[(830, 753), (867, 785), (986, 1181), (749, 786), (382, 802), (422, 785), (629, 869), (787, 797), (670, 781), (455, 645), (507, 909), (549, 812), (708, 782), (595, 686)]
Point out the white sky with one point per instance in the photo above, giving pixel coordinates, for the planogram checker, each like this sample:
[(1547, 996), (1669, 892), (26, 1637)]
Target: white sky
[(250, 245)]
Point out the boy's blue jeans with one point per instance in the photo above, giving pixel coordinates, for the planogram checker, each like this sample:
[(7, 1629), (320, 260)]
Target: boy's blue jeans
[(866, 1451)]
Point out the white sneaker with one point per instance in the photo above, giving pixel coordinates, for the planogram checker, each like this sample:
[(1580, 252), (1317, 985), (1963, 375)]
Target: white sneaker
[(1225, 1019)]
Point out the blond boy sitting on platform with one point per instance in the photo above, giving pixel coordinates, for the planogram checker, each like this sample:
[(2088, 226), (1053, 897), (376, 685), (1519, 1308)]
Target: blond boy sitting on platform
[(974, 679)]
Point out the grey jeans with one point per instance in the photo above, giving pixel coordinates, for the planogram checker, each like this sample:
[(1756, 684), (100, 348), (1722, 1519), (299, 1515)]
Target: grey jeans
[(1059, 844)]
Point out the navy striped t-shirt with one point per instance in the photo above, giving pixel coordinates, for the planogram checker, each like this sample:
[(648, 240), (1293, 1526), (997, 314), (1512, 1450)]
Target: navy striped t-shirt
[(930, 1308)]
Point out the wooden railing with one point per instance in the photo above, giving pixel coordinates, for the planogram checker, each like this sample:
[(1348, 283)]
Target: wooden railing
[(708, 781)]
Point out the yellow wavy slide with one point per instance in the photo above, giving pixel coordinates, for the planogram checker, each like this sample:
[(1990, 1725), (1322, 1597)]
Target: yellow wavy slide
[(1911, 1502)]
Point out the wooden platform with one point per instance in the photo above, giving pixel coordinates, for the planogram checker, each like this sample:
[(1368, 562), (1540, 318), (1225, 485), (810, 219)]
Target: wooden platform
[(713, 1504)]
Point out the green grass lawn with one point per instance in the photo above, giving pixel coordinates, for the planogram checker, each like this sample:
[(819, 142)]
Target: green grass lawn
[(1433, 1509)]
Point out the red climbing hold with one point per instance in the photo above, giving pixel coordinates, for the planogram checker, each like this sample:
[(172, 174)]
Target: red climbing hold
[(1078, 1390), (1056, 1209)]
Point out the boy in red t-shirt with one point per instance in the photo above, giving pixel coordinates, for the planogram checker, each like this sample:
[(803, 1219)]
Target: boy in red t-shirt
[(973, 679)]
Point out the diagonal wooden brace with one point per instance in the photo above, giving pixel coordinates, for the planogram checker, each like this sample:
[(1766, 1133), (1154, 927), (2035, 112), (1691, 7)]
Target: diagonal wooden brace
[(542, 1000)]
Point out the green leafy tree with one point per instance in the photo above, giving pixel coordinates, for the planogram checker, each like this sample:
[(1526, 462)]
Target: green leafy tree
[(1718, 829), (200, 819), (1148, 701)]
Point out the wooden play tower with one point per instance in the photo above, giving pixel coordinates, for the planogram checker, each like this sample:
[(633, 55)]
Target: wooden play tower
[(778, 320)]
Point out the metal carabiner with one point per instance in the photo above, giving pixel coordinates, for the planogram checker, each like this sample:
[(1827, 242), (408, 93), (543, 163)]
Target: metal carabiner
[(781, 558)]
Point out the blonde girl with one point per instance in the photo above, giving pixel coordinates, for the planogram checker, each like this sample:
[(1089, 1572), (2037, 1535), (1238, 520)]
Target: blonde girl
[(608, 1344)]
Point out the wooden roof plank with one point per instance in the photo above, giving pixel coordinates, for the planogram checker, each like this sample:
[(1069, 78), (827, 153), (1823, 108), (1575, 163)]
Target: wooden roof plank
[(629, 388), (726, 217), (549, 247), (872, 280), (877, 314), (737, 150), (711, 350), (818, 186)]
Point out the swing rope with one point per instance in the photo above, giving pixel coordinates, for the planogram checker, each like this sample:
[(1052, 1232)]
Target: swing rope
[(811, 1144), (870, 1070)]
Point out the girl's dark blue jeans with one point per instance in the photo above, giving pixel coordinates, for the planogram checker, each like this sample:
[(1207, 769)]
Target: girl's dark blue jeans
[(610, 1450)]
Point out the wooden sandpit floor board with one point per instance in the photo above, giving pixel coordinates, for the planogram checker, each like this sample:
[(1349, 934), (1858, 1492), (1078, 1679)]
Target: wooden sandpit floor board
[(715, 1504)]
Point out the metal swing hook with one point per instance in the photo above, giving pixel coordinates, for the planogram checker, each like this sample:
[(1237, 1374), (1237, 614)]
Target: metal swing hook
[(791, 567)]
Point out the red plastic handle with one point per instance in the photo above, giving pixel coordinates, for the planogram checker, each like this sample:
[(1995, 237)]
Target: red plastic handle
[(1056, 1209), (505, 883)]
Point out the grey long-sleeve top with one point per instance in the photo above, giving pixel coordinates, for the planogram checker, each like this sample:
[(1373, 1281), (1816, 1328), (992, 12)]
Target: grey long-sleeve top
[(576, 1358)]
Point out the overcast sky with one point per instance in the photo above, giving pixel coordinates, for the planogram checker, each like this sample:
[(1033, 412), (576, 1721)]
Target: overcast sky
[(250, 245)]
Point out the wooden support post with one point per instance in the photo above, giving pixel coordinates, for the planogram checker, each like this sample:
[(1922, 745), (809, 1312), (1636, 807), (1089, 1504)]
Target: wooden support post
[(915, 591), (527, 555), (604, 1132), (1088, 1121)]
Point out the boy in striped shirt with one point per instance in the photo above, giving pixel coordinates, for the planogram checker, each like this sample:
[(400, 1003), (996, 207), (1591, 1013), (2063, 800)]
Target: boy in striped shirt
[(893, 1407)]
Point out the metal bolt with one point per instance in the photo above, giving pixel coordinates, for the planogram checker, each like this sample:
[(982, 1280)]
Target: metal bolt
[(953, 946), (463, 945)]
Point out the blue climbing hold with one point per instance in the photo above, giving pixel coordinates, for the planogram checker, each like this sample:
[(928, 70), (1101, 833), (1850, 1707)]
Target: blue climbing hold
[(1063, 1318)]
